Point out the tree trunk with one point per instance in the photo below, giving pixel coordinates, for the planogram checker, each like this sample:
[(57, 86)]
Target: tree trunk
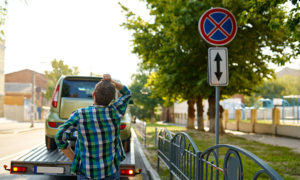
[(152, 116), (211, 113), (200, 122), (168, 114), (221, 127), (163, 116), (191, 114)]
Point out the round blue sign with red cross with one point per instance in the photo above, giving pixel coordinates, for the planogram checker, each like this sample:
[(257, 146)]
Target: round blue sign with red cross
[(217, 26)]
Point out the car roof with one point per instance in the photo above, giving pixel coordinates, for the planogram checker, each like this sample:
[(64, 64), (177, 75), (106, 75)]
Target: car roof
[(85, 77)]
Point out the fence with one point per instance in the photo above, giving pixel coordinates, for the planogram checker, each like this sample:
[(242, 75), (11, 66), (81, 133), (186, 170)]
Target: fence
[(275, 126), (186, 161), (141, 127)]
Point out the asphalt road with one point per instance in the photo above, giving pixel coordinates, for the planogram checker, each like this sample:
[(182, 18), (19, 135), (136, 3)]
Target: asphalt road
[(14, 143)]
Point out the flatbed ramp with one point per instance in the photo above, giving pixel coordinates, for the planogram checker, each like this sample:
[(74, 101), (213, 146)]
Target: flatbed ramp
[(41, 161)]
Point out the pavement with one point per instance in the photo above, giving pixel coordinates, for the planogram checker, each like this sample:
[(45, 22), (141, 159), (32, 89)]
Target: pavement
[(15, 127), (292, 143)]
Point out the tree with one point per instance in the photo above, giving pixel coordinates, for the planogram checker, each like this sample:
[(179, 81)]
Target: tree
[(171, 47), (294, 21), (58, 69), (144, 101), (276, 88), (3, 13), (271, 89)]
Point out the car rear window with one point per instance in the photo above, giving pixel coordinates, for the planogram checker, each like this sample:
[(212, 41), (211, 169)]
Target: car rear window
[(78, 88)]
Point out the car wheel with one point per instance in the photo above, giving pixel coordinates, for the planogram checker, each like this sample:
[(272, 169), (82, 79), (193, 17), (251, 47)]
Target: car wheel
[(126, 145), (50, 143)]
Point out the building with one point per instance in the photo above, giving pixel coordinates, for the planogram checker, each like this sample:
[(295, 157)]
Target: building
[(19, 91), (2, 47)]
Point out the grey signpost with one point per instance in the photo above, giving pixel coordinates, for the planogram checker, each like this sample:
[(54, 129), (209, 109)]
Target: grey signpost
[(218, 76), (217, 27)]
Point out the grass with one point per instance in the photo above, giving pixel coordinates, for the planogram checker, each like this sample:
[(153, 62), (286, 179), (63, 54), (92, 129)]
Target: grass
[(283, 160)]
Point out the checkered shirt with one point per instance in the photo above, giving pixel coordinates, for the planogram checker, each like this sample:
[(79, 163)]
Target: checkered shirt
[(98, 149)]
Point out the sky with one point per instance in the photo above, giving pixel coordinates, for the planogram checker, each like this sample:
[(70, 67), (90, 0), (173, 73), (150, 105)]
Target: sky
[(86, 34), (82, 33)]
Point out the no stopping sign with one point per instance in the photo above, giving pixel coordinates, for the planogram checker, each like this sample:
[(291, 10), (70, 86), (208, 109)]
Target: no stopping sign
[(217, 26)]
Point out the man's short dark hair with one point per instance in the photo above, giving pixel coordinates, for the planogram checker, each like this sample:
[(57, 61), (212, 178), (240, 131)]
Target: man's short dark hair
[(104, 93)]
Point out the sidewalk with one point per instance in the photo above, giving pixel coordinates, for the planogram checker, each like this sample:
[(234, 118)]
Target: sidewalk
[(292, 143), (14, 127)]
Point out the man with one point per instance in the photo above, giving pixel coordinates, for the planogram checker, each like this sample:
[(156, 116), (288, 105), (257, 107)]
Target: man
[(98, 149)]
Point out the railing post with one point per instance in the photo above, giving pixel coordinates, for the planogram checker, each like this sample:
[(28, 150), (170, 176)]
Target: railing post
[(225, 116), (155, 137), (145, 124), (199, 173), (170, 159), (253, 117), (158, 148), (275, 120), (237, 118)]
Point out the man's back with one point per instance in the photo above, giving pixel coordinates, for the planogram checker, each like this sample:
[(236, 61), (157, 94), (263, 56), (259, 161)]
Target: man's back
[(98, 149)]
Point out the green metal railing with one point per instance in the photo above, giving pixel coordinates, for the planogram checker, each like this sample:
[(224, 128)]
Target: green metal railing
[(185, 161), (141, 128)]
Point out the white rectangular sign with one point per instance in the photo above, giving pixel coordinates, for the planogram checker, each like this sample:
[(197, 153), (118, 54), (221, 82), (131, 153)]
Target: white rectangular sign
[(218, 66), (49, 170)]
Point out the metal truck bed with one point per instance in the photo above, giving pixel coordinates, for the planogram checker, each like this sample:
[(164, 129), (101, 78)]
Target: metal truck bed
[(41, 161)]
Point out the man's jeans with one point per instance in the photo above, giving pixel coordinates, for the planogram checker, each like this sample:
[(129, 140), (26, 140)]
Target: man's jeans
[(115, 176)]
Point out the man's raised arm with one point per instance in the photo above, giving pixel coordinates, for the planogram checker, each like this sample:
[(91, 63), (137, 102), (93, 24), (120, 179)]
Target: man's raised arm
[(121, 103)]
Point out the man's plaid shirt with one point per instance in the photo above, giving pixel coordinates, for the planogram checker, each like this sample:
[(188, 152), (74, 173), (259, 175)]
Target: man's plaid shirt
[(98, 150)]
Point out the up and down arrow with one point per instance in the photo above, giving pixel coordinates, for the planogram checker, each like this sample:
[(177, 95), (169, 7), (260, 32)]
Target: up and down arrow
[(218, 59)]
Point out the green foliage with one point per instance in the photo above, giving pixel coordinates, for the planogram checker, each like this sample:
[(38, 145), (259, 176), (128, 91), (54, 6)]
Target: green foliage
[(145, 104), (58, 69), (3, 14), (291, 84), (272, 89), (170, 45), (294, 21), (251, 100), (275, 88)]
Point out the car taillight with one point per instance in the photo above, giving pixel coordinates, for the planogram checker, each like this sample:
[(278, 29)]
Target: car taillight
[(127, 172), (17, 169), (52, 124), (55, 96), (123, 126)]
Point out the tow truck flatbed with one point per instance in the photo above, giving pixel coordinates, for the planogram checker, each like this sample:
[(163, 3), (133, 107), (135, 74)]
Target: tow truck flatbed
[(40, 161)]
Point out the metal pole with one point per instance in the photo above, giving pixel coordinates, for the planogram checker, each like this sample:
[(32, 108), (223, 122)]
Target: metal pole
[(298, 109), (33, 100), (293, 102), (155, 140), (217, 114), (145, 125), (283, 108), (217, 126)]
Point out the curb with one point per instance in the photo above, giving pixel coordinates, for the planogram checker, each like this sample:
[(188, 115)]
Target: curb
[(152, 173), (26, 130), (11, 131)]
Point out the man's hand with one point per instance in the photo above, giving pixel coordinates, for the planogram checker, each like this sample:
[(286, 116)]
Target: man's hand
[(69, 153), (107, 77)]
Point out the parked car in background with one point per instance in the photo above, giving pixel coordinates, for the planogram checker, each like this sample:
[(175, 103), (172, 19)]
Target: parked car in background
[(72, 93)]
